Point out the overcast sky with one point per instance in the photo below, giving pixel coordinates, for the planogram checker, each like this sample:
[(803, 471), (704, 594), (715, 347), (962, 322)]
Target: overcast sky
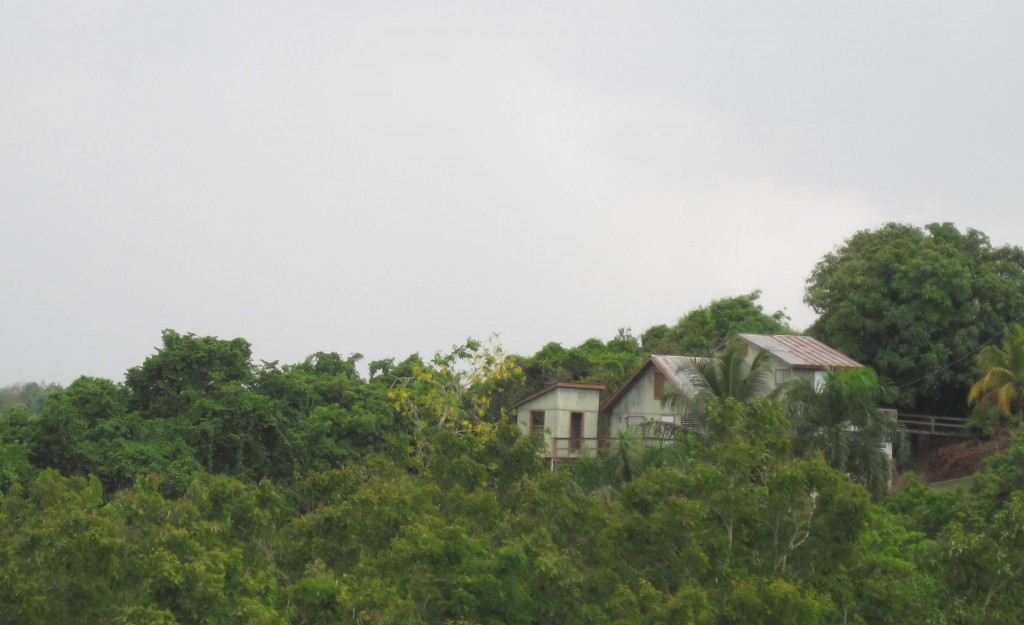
[(393, 177)]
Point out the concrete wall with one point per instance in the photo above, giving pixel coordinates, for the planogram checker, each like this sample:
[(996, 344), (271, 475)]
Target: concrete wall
[(558, 405)]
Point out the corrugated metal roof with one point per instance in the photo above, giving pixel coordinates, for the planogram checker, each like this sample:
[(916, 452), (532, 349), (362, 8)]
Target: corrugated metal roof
[(671, 366), (800, 351)]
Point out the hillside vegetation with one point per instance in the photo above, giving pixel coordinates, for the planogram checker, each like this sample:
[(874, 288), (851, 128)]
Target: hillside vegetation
[(206, 488)]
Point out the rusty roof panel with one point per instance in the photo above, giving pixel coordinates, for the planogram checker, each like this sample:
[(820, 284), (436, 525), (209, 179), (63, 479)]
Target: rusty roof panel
[(800, 351), (675, 367), (671, 366)]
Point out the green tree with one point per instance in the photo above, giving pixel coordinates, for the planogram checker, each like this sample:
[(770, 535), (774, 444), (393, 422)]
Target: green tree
[(456, 389), (772, 516), (720, 376), (914, 304), (592, 362), (71, 422), (1002, 375), (31, 396), (14, 466), (202, 391), (889, 577), (921, 508), (841, 419), (185, 369), (703, 328), (981, 552), (633, 455)]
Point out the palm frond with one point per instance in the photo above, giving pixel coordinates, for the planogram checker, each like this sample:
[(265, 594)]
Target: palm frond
[(840, 418), (1002, 374)]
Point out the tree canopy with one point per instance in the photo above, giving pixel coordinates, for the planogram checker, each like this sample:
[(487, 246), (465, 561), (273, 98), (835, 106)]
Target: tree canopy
[(210, 489), (703, 328), (916, 304)]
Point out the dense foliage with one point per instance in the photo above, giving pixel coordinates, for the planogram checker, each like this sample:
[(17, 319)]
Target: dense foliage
[(1002, 375), (452, 526), (839, 418), (476, 530), (703, 328), (210, 489), (593, 361), (207, 489), (916, 305)]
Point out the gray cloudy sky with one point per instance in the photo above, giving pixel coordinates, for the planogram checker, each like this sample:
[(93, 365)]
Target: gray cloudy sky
[(392, 177)]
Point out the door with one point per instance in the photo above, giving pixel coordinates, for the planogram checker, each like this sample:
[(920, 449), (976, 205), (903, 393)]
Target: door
[(575, 430)]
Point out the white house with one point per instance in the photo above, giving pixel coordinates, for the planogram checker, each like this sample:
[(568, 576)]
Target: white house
[(565, 416), (640, 398)]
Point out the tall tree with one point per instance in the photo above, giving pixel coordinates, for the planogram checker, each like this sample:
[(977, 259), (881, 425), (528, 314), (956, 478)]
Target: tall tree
[(1002, 374), (705, 327), (915, 304), (186, 369), (592, 361)]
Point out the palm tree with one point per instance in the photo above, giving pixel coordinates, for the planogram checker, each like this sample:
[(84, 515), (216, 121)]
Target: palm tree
[(841, 419), (1002, 374), (720, 376)]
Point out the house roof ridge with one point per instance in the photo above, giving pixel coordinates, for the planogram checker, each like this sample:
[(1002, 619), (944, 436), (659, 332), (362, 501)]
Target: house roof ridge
[(800, 351), (551, 387), (668, 364)]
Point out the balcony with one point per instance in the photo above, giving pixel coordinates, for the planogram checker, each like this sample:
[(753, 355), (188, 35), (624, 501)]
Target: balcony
[(572, 449)]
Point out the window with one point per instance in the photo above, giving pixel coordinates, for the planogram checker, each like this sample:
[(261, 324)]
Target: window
[(659, 385), (635, 421), (537, 422), (781, 375)]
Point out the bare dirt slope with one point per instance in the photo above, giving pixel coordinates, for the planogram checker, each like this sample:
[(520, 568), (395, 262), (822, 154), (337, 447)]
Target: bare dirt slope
[(960, 459)]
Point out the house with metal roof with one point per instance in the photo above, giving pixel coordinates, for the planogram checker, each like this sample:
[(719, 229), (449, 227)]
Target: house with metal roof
[(571, 422), (640, 397), (795, 356)]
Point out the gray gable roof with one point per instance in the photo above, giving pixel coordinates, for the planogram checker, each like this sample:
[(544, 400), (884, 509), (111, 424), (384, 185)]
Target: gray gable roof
[(672, 366), (558, 385)]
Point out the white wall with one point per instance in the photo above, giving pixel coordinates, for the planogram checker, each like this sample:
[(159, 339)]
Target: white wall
[(639, 401), (558, 405)]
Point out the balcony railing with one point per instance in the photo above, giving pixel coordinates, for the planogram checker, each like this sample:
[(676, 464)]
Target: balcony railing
[(935, 426), (577, 447), (574, 448)]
